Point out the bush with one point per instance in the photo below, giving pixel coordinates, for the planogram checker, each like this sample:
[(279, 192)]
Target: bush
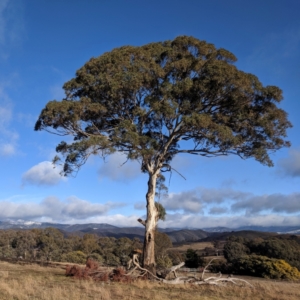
[(164, 262), (221, 265), (263, 266), (193, 260), (176, 257), (77, 257), (234, 249), (97, 257)]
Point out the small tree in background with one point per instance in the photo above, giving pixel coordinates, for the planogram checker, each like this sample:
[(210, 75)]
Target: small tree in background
[(159, 100), (192, 259)]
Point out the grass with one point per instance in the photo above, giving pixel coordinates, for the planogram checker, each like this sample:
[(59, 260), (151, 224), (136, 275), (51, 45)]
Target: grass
[(24, 282), (195, 246)]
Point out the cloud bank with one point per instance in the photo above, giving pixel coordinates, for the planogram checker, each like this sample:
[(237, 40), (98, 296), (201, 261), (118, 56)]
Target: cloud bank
[(220, 201), (55, 210), (199, 211), (43, 174), (195, 221)]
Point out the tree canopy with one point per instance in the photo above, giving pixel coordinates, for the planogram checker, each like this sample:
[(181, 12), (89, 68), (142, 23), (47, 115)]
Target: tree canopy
[(161, 99), (145, 101)]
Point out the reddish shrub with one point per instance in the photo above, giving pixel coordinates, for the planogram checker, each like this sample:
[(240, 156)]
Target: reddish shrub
[(91, 264), (91, 271), (74, 270), (118, 275)]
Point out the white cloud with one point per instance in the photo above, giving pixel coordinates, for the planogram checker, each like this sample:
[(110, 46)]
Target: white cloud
[(7, 149), (194, 201), (43, 173), (187, 201), (277, 203), (117, 220), (229, 201), (290, 166), (55, 210), (218, 210), (75, 210), (116, 168), (196, 221)]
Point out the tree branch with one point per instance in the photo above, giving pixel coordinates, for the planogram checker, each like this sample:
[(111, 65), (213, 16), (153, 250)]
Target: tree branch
[(142, 222)]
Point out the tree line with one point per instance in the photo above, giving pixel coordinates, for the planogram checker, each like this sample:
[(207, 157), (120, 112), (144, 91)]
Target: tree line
[(273, 257), (51, 244)]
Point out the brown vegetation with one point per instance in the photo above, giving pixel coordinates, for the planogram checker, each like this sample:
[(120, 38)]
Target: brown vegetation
[(36, 282), (195, 246)]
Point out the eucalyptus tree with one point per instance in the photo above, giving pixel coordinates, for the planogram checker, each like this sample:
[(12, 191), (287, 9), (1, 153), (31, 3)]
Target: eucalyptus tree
[(162, 99)]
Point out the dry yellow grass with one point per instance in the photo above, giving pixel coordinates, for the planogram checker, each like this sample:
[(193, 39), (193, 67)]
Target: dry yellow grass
[(194, 246), (35, 282)]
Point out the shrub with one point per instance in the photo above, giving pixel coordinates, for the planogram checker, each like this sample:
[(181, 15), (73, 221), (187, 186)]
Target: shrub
[(175, 257), (92, 264), (263, 266), (234, 250), (96, 257), (164, 262), (77, 257), (192, 259), (118, 275), (221, 265)]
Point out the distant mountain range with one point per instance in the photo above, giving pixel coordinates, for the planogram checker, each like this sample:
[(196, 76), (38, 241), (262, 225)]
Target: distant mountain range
[(277, 229), (177, 235)]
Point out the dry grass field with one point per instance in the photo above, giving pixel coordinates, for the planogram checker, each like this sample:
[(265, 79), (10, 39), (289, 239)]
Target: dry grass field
[(195, 246), (24, 282)]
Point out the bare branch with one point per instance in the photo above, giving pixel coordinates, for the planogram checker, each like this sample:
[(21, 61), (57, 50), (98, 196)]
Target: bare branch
[(142, 222)]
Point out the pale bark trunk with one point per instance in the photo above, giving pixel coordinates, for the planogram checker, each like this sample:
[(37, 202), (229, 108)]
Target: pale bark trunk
[(150, 225)]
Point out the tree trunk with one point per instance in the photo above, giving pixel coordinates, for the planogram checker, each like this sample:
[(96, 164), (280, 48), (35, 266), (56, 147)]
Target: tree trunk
[(150, 225)]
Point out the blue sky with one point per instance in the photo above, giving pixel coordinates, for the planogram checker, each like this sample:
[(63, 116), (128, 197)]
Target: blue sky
[(43, 43)]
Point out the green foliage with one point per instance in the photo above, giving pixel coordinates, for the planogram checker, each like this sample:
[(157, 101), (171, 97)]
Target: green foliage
[(192, 259), (147, 101), (265, 267), (161, 188), (271, 258), (287, 248), (96, 257), (233, 250), (50, 241), (221, 265), (89, 244), (77, 257), (161, 211), (176, 257), (123, 249), (111, 259), (161, 99), (162, 244), (50, 244), (164, 262)]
